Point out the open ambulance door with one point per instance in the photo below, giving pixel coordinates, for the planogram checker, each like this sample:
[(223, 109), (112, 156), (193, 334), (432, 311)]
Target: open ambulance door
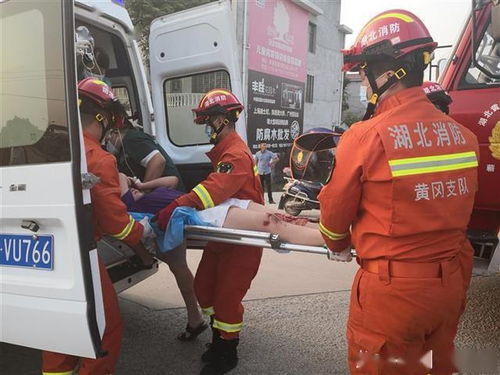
[(191, 52), (50, 293)]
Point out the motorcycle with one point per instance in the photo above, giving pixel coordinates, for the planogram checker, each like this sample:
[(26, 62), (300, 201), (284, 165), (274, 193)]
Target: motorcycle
[(299, 195), (311, 164)]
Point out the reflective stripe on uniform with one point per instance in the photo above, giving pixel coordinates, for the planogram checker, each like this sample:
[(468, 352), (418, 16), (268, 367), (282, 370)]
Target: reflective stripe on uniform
[(227, 327), (209, 311), (332, 235), (204, 196), (433, 164), (58, 373), (255, 170), (126, 231)]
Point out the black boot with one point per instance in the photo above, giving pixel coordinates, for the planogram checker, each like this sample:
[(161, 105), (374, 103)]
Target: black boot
[(208, 356), (224, 357)]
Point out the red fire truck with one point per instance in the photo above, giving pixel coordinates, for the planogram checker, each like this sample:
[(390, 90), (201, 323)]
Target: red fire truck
[(472, 77)]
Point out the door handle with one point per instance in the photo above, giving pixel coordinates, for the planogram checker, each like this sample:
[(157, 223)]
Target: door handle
[(30, 225)]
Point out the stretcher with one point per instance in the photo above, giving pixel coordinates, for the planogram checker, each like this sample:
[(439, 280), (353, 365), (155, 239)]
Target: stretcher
[(201, 234)]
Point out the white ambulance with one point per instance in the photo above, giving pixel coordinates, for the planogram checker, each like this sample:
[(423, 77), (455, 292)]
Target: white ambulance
[(49, 285)]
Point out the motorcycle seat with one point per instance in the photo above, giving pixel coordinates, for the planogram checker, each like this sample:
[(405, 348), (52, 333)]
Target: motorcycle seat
[(313, 186)]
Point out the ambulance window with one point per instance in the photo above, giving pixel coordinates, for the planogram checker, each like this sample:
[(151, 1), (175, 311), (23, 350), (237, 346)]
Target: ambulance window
[(488, 56), (33, 122), (184, 94)]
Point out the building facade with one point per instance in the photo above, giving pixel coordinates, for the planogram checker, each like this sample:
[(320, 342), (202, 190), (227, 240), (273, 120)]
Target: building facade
[(355, 108), (291, 67)]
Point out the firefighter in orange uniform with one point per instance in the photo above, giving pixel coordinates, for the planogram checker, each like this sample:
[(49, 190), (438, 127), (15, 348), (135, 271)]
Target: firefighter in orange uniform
[(403, 187), (225, 271), (98, 108)]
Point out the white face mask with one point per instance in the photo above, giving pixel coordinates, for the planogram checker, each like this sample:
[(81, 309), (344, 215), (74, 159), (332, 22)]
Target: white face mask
[(208, 130), (363, 95)]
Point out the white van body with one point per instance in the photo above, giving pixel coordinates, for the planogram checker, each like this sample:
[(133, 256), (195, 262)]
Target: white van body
[(45, 202)]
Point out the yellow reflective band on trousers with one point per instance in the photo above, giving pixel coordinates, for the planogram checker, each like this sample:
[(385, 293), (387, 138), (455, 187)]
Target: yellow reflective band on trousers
[(209, 311), (204, 196), (332, 235), (126, 231), (433, 164), (59, 373), (226, 327), (255, 170)]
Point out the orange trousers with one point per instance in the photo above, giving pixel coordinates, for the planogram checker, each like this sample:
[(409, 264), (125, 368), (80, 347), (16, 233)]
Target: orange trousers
[(62, 364), (223, 278), (394, 322)]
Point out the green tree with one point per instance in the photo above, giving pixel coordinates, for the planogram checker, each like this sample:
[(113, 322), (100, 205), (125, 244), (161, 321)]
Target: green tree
[(143, 12), (345, 94), (350, 118), (19, 132)]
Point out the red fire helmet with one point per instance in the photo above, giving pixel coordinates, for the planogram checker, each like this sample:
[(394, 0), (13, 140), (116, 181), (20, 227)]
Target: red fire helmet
[(101, 94), (215, 102), (393, 33), (96, 90)]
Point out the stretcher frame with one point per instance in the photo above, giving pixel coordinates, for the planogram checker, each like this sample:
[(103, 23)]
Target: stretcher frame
[(251, 238)]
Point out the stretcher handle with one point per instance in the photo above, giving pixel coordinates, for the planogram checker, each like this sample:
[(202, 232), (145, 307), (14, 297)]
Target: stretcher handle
[(248, 238)]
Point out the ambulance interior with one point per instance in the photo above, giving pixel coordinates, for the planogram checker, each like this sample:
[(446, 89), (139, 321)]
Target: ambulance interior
[(103, 55)]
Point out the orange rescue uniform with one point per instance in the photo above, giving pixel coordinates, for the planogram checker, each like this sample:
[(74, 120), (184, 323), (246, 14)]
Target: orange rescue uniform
[(404, 185), (226, 271), (109, 217)]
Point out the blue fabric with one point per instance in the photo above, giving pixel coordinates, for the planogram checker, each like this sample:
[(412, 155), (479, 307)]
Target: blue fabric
[(138, 216), (263, 161), (174, 235)]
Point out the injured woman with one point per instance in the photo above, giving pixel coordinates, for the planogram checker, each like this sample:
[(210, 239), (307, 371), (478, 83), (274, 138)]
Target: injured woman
[(233, 213)]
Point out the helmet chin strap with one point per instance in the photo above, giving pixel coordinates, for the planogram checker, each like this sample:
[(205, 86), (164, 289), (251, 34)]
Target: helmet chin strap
[(100, 119), (216, 132), (399, 74)]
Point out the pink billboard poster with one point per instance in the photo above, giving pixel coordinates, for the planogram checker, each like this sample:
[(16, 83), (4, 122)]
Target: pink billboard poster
[(278, 38)]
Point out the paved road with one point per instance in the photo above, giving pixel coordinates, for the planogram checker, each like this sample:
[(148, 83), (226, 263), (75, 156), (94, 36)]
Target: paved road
[(295, 321)]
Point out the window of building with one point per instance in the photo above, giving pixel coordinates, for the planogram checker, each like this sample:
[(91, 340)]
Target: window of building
[(184, 94), (33, 119), (310, 89), (206, 82), (488, 57), (312, 38)]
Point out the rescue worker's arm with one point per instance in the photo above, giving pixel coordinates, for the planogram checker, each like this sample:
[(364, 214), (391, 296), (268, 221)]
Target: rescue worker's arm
[(154, 167), (168, 182), (231, 173), (111, 213), (339, 199)]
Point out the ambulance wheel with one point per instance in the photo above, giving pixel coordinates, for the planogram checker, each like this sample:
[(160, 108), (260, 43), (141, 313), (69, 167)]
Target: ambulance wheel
[(290, 206)]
